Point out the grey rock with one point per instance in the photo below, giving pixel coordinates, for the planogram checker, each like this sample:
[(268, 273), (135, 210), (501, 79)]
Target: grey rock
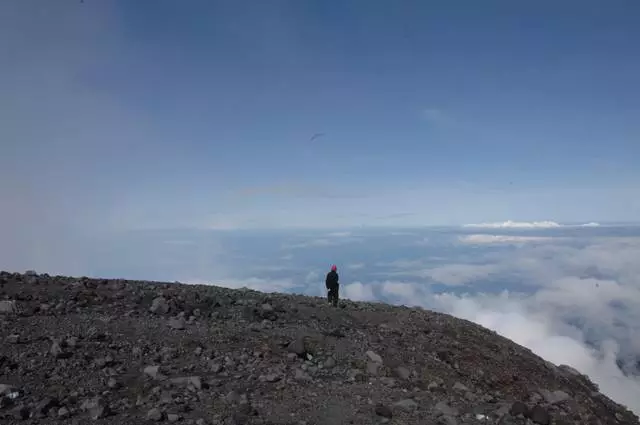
[(374, 357), (96, 407), (63, 413), (57, 351), (13, 339), (297, 346), (272, 377), (373, 367), (154, 415), (447, 420), (194, 381), (460, 387), (172, 417), (406, 404), (330, 363), (518, 408), (159, 306), (402, 372), (20, 412), (384, 411), (301, 375), (6, 389), (154, 372), (113, 383), (443, 408), (177, 323), (8, 307), (554, 397), (539, 415), (46, 404)]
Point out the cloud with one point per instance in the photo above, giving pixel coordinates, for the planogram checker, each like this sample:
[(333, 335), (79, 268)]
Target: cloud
[(502, 239), (454, 274), (339, 234), (517, 225), (528, 225), (357, 291), (355, 266), (335, 239)]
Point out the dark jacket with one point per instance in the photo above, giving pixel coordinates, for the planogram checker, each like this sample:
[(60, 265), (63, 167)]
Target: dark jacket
[(332, 280)]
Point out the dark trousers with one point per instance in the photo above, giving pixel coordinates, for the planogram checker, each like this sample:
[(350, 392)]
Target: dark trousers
[(332, 295)]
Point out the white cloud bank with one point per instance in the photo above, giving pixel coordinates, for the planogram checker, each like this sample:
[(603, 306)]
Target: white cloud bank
[(509, 224), (502, 239)]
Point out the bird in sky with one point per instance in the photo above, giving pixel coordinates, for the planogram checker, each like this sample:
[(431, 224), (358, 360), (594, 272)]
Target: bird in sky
[(316, 136)]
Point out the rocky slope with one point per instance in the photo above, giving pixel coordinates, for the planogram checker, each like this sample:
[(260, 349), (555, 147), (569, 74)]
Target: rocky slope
[(79, 350)]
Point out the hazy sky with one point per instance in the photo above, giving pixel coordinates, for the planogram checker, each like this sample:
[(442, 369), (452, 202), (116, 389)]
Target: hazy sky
[(163, 113)]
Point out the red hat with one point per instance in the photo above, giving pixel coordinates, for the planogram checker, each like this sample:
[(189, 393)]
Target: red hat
[(334, 268)]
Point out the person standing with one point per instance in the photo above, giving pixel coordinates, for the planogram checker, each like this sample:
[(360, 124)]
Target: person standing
[(333, 285)]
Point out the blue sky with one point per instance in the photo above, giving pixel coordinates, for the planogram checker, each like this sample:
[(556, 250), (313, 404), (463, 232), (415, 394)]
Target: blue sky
[(200, 113)]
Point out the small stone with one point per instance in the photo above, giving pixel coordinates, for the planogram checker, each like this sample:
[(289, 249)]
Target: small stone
[(96, 407), (63, 413), (8, 307), (177, 323), (301, 375), (6, 389), (443, 408), (154, 415), (330, 363), (407, 404), (554, 397), (372, 368), (57, 351), (232, 397), (460, 387), (272, 377), (448, 420), (153, 372), (403, 372), (113, 383), (518, 408), (539, 415), (172, 417), (297, 346), (159, 306), (195, 381), (384, 411), (20, 412), (374, 357), (13, 339), (46, 404)]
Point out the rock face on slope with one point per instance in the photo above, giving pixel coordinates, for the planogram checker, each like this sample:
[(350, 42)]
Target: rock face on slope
[(79, 350)]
